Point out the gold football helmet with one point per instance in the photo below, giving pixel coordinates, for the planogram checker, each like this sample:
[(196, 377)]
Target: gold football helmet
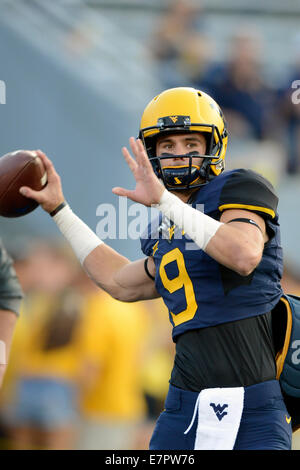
[(182, 110)]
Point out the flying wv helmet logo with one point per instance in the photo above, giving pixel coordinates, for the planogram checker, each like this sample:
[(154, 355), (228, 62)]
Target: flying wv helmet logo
[(219, 410), (174, 119)]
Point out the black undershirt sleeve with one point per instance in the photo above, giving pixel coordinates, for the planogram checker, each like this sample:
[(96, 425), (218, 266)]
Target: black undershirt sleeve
[(248, 190)]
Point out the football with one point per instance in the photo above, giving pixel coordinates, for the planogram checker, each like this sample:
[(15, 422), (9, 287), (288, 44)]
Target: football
[(20, 168)]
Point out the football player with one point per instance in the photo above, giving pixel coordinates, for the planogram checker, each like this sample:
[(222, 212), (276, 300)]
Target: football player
[(214, 256), (10, 299)]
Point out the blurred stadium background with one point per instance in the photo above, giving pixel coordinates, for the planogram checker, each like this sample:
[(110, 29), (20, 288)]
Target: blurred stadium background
[(78, 74)]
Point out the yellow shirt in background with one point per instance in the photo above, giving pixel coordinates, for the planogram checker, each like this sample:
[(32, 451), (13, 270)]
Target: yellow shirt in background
[(115, 336), (27, 356), (113, 356)]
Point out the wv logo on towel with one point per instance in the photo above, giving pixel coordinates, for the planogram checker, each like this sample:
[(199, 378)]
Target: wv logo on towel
[(219, 410)]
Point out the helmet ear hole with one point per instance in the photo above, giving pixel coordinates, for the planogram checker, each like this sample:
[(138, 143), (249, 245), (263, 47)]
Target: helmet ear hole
[(205, 169), (209, 142)]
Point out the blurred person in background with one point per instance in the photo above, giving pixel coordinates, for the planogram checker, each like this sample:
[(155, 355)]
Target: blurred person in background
[(10, 302), (115, 337), (75, 381), (240, 88), (289, 112), (11, 295), (39, 400), (178, 45)]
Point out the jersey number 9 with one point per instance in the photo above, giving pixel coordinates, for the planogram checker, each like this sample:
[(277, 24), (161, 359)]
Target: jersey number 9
[(173, 285)]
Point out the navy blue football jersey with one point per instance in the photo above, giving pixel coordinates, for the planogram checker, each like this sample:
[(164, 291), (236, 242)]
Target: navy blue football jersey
[(197, 290)]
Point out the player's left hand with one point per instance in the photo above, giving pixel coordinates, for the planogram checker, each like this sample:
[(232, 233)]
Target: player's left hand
[(149, 189)]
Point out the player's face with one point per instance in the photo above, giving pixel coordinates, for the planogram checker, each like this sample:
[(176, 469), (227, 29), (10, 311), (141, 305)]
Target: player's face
[(181, 144)]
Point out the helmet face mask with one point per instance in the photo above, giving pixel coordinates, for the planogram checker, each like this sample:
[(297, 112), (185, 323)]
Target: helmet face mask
[(212, 126), (179, 177)]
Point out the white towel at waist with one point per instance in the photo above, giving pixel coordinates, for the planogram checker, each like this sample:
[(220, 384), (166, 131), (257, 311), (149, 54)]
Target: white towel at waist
[(219, 415)]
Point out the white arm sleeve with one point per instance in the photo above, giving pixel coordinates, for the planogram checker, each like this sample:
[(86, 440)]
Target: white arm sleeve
[(200, 227), (81, 238)]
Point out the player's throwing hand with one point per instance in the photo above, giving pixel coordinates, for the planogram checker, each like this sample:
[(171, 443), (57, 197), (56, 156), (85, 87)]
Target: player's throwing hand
[(52, 195)]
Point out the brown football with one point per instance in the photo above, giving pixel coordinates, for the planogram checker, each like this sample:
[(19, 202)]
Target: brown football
[(20, 168)]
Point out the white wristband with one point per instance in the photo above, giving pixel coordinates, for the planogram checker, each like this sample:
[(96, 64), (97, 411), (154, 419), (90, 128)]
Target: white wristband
[(81, 238), (198, 226)]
